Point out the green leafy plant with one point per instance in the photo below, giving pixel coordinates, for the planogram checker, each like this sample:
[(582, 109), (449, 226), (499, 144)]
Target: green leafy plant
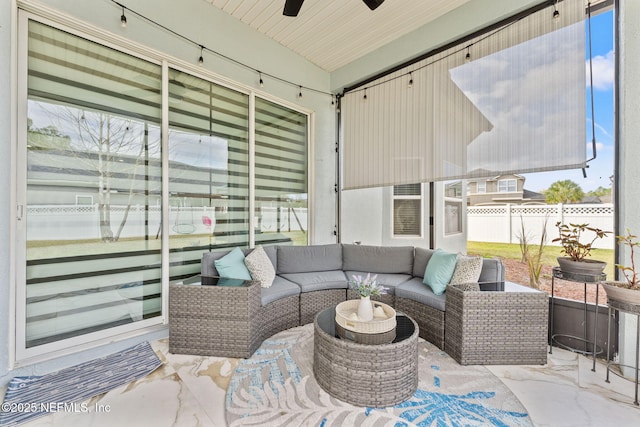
[(629, 272), (570, 239)]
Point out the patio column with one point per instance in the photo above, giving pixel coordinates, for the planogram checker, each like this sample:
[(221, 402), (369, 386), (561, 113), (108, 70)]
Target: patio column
[(628, 191)]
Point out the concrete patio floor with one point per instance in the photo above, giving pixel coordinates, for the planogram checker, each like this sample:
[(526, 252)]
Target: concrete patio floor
[(190, 391)]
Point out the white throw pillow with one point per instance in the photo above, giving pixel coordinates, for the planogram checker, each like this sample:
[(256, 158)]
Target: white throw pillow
[(468, 269), (260, 267)]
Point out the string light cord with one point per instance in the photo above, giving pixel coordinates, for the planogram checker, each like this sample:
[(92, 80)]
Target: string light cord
[(450, 54), (221, 55)]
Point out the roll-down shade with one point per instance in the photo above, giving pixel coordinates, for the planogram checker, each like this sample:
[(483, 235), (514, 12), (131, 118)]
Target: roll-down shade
[(518, 106)]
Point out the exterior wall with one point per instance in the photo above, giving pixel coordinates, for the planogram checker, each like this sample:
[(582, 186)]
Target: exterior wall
[(367, 217), (492, 196), (627, 188), (7, 47)]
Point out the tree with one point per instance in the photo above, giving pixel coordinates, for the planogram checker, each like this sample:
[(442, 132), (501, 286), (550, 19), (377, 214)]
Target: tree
[(565, 191), (110, 148), (599, 192)]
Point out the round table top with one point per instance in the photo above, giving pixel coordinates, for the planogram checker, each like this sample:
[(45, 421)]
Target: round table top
[(326, 320)]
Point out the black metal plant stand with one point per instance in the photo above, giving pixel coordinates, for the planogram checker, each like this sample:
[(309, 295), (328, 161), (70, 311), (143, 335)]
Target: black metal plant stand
[(585, 279), (631, 309)]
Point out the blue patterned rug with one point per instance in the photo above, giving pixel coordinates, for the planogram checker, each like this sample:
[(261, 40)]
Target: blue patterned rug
[(276, 387), (30, 397)]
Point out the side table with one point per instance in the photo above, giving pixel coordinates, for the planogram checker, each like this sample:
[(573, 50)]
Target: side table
[(213, 316), (631, 309), (584, 279)]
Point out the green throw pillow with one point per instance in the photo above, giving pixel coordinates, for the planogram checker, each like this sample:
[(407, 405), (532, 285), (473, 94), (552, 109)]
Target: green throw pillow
[(439, 271), (232, 265)]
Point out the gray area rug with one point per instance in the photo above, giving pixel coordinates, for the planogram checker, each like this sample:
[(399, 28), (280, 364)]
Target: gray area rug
[(276, 387), (30, 397)]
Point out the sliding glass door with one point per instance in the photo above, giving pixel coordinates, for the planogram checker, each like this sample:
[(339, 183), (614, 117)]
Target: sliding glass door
[(92, 159), (208, 170), (93, 187)]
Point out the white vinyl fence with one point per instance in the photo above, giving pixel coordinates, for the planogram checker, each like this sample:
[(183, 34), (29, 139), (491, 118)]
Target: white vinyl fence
[(80, 222), (503, 224)]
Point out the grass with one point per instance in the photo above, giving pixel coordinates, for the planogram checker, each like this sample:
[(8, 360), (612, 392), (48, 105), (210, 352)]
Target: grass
[(42, 249), (512, 251)]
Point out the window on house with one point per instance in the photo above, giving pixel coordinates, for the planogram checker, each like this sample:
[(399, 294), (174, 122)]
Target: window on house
[(407, 210), (507, 186), (452, 217), (453, 213), (481, 187)]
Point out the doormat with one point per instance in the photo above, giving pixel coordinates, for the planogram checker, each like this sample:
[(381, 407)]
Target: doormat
[(33, 396)]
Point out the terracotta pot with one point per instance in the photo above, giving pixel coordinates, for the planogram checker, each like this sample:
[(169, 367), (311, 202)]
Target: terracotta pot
[(588, 266), (629, 296)]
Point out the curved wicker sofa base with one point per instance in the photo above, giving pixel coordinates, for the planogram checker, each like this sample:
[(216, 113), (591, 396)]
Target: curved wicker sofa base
[(311, 303), (430, 320), (233, 322), (279, 315)]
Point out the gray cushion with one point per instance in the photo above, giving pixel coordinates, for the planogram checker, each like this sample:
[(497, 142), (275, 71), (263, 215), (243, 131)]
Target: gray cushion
[(272, 253), (415, 290), (420, 261), (492, 271), (207, 267), (281, 288), (378, 259), (303, 259), (389, 281), (318, 280)]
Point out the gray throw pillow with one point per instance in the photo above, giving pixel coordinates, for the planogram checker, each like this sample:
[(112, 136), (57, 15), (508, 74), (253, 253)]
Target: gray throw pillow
[(260, 267), (468, 269)]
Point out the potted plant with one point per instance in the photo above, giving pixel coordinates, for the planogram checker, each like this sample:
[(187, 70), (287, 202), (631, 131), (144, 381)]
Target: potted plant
[(626, 291), (577, 251), (366, 287)]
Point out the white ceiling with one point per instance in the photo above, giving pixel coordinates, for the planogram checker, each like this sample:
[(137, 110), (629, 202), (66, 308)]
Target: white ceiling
[(332, 33)]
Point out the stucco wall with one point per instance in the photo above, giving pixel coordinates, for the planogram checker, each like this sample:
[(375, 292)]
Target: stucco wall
[(629, 149), (5, 173)]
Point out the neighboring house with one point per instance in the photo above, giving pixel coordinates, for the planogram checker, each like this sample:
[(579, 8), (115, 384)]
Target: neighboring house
[(501, 190)]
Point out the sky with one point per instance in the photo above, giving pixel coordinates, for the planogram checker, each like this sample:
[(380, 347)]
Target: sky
[(601, 168)]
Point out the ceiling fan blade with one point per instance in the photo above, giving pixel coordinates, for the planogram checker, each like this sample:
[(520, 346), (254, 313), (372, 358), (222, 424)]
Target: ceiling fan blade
[(292, 7), (373, 4)]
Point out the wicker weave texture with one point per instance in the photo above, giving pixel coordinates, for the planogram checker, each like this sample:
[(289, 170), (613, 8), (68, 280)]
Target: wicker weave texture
[(484, 328), (311, 303), (214, 320), (366, 375), (429, 320), (280, 315)]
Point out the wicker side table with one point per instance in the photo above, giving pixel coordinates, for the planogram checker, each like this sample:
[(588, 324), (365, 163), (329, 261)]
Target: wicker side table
[(497, 327), (374, 375), (210, 319)]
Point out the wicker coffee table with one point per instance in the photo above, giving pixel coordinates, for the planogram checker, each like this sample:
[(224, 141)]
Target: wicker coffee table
[(374, 375)]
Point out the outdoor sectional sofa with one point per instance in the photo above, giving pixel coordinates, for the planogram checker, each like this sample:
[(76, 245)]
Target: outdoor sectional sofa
[(233, 322)]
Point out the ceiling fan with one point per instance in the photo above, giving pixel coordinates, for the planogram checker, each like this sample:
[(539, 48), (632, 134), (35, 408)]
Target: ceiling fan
[(292, 7)]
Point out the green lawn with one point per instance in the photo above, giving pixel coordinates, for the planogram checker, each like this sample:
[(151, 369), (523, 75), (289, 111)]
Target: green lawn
[(512, 251)]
